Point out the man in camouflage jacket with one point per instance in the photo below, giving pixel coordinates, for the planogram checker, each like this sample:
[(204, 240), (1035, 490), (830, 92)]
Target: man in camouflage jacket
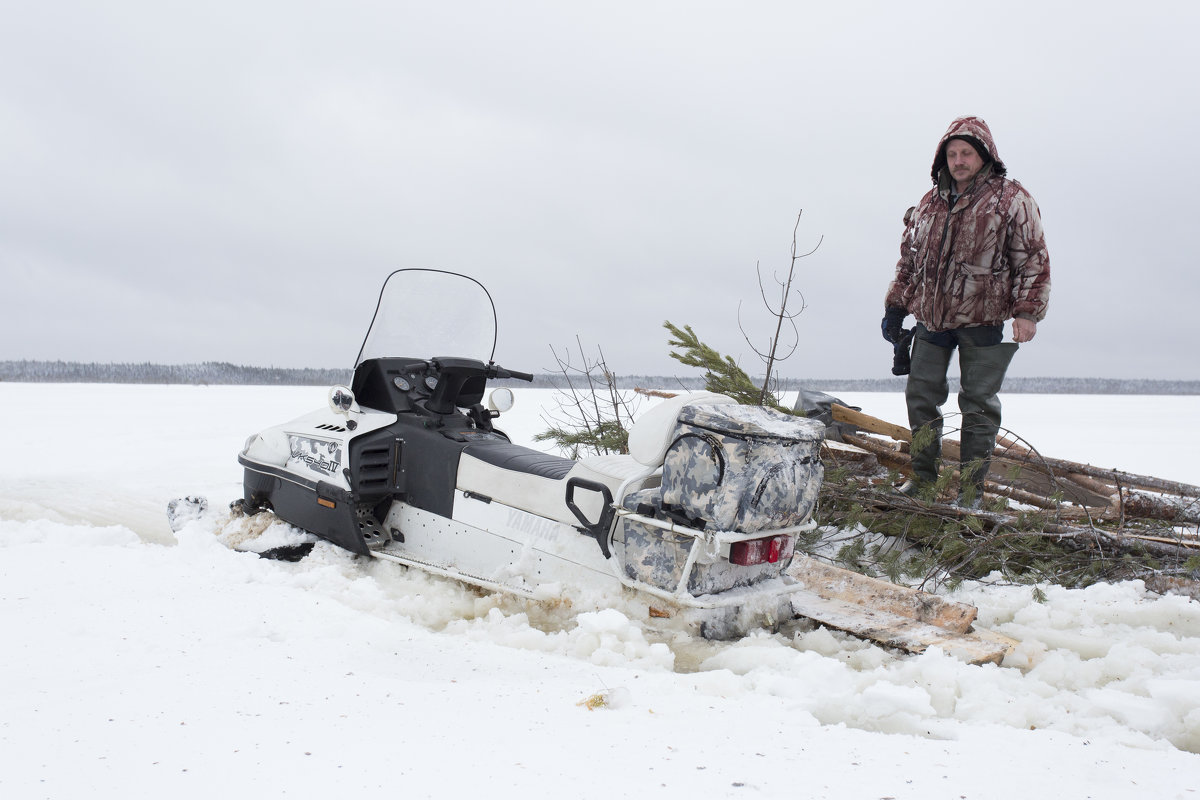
[(973, 256)]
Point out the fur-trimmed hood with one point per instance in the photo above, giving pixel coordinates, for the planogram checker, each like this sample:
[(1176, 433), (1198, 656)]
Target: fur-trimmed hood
[(976, 132)]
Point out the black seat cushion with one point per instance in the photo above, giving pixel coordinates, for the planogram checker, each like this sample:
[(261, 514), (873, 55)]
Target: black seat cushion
[(521, 459)]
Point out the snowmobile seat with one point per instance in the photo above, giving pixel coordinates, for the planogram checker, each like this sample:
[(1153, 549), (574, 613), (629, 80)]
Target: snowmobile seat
[(516, 458), (537, 483), (517, 476)]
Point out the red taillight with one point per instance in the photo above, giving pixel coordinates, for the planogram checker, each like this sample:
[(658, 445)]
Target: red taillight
[(758, 551)]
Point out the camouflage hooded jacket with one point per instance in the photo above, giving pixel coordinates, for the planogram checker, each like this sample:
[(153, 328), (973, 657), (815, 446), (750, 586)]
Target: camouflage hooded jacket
[(981, 262)]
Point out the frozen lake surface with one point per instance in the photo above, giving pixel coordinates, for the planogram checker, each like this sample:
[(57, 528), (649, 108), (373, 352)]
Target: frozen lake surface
[(138, 662)]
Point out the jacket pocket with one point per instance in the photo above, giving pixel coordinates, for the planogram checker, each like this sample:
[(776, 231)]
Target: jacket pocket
[(977, 277), (979, 295)]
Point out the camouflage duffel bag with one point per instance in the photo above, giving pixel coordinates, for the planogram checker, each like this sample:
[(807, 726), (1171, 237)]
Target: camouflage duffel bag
[(743, 468)]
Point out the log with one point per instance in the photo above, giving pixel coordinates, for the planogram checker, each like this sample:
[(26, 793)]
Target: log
[(1123, 540), (1191, 544), (1032, 479), (1139, 504), (1034, 487), (869, 423), (1114, 476), (1021, 455), (1020, 495), (1006, 449), (1119, 540), (844, 451), (1099, 487), (890, 458), (1009, 444)]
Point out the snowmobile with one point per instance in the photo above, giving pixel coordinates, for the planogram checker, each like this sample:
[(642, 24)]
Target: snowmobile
[(407, 465)]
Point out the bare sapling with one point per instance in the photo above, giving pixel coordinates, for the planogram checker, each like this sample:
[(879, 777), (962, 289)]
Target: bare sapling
[(774, 352)]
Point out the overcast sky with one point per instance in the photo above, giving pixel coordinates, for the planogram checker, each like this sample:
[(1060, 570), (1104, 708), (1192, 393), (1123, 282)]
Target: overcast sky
[(231, 181)]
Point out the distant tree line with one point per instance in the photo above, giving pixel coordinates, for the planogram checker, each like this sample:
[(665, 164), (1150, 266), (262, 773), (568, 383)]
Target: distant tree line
[(221, 373), (210, 372), (1012, 385)]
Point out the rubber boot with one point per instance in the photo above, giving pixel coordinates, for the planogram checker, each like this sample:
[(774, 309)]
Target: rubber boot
[(983, 370), (925, 393)]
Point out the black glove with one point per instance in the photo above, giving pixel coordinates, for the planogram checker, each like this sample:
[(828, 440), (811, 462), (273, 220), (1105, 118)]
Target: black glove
[(901, 354), (893, 319)]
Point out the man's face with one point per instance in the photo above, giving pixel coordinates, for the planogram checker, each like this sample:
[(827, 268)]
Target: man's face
[(963, 162)]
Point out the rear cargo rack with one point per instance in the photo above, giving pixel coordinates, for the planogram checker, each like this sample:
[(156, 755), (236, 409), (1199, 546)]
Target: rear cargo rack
[(711, 543)]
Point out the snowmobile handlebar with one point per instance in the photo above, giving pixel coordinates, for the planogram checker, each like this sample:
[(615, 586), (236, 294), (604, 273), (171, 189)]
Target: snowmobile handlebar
[(453, 374), (495, 371)]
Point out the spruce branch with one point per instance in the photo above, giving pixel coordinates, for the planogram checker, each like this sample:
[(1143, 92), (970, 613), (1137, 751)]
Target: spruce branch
[(721, 373)]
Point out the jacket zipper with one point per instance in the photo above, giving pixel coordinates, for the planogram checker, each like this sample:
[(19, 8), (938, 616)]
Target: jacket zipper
[(941, 263)]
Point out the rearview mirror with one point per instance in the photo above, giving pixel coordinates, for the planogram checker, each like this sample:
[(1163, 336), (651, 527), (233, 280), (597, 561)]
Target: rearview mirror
[(341, 399), (501, 400)]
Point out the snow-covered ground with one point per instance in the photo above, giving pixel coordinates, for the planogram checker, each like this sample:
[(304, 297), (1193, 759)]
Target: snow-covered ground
[(138, 663)]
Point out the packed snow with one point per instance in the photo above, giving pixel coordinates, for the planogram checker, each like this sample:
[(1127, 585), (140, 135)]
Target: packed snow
[(143, 661)]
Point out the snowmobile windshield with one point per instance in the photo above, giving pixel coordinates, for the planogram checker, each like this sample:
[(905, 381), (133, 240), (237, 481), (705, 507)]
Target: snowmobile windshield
[(429, 313)]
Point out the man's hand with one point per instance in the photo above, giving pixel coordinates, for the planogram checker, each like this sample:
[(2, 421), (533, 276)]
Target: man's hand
[(1024, 330), (893, 319)]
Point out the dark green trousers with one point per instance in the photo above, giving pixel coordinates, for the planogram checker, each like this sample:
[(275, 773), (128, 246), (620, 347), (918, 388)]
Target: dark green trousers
[(982, 366)]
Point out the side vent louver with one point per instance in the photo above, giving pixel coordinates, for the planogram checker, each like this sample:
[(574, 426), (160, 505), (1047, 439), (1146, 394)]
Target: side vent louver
[(375, 468)]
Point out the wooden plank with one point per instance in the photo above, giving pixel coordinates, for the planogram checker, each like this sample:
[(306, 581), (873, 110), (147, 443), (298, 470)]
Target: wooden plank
[(904, 633), (843, 584), (892, 615)]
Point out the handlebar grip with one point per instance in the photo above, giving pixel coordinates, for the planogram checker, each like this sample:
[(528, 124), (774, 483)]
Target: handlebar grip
[(494, 370)]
